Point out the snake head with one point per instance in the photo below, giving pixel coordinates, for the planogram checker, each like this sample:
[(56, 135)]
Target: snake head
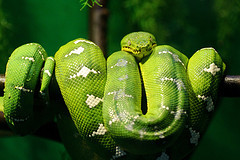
[(139, 44)]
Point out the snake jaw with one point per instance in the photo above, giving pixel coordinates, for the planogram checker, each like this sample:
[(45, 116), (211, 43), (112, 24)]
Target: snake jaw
[(139, 52)]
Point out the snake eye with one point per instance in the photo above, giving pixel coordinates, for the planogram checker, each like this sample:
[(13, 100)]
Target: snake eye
[(129, 42)]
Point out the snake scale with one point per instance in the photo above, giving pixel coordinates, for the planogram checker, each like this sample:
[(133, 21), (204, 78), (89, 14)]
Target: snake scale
[(146, 101)]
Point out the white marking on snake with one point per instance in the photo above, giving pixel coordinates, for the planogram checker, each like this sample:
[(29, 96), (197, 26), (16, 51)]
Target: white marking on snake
[(213, 69), (85, 41), (178, 82), (159, 134), (93, 101), (114, 117), (175, 56), (17, 119), (202, 97), (129, 127), (100, 131), (23, 89), (31, 44), (48, 73), (51, 58), (207, 48), (178, 114), (142, 132), (119, 94), (210, 105), (29, 58), (84, 72), (195, 136), (163, 156), (41, 55), (124, 77), (75, 51), (121, 63), (167, 108), (119, 153)]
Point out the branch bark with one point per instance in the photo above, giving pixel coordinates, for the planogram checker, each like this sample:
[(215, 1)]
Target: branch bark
[(98, 19), (230, 86)]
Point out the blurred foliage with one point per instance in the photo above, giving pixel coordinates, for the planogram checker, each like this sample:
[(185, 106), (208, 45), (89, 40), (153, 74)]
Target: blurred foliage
[(5, 34), (163, 18), (188, 25), (228, 22)]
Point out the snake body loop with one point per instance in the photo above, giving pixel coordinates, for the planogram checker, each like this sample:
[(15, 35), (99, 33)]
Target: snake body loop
[(22, 75), (103, 116), (166, 86), (81, 75)]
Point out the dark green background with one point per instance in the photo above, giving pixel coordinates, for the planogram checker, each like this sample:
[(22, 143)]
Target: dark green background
[(186, 25)]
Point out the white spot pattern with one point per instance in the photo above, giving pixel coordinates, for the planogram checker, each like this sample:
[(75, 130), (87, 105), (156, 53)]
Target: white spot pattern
[(178, 82), (124, 77), (85, 41), (17, 119), (177, 113), (210, 105), (213, 69), (119, 153), (84, 72), (195, 136), (163, 156), (93, 101), (48, 73), (29, 58), (159, 134), (119, 94), (129, 127), (51, 58), (23, 89), (75, 51), (121, 63), (114, 117), (100, 131), (202, 97), (41, 55), (142, 132), (175, 56), (126, 118)]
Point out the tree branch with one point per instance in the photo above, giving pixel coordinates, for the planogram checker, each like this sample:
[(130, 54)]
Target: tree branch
[(98, 19)]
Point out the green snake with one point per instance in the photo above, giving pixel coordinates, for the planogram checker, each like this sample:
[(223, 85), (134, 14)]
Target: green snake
[(144, 102)]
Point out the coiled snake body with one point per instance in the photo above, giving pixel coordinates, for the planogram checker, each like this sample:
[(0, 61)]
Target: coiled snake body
[(105, 115)]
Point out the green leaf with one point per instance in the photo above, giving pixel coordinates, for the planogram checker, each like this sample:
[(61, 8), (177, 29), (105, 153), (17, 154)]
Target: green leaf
[(86, 3)]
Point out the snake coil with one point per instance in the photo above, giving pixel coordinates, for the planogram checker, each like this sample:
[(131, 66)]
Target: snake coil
[(104, 116)]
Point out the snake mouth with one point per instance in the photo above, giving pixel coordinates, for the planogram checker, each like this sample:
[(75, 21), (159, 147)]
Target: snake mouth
[(139, 50), (132, 50)]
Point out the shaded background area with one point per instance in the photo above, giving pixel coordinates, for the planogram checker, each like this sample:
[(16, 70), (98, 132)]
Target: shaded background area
[(186, 25)]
